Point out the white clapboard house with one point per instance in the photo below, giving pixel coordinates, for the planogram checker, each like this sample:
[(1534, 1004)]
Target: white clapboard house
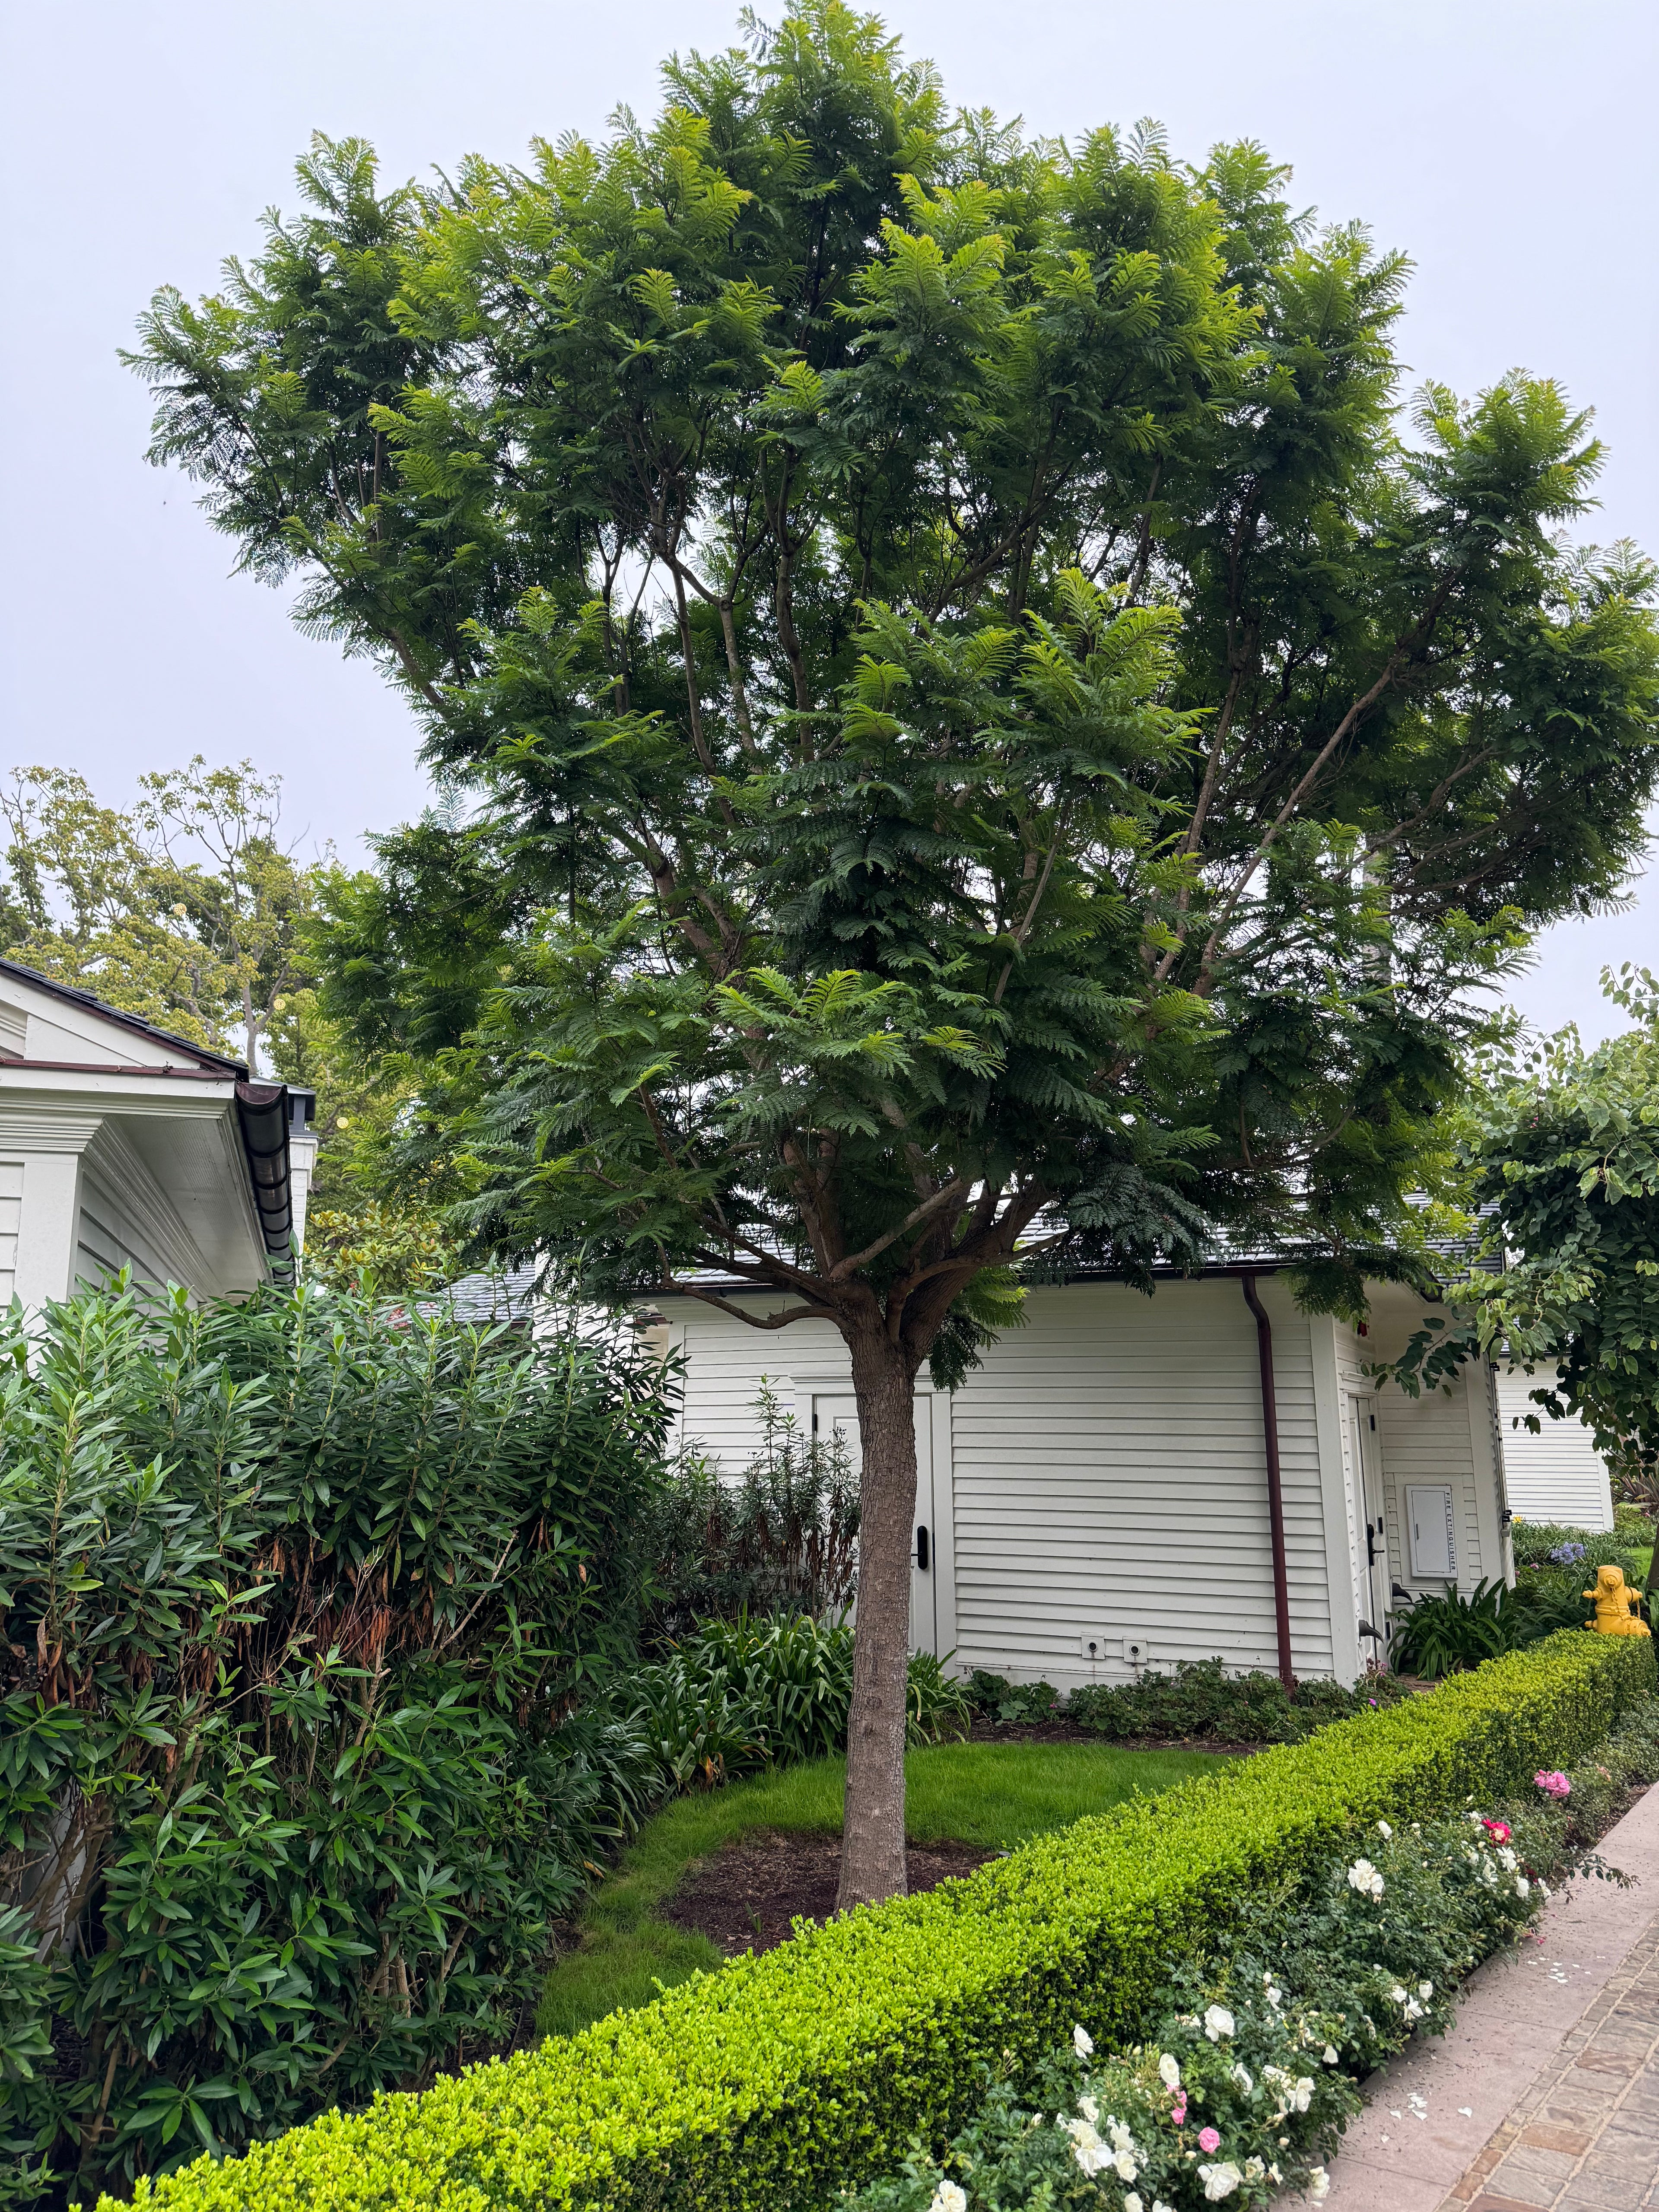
[(1556, 1474), (1096, 1497), (122, 1147)]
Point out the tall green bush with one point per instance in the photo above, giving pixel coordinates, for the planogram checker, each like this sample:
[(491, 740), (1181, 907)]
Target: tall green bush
[(784, 2078), (295, 1597), (782, 1538)]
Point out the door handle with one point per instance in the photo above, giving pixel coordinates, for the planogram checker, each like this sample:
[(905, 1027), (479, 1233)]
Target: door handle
[(922, 1546), (1370, 1545)]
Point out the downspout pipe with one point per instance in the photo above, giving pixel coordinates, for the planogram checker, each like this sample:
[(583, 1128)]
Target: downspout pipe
[(1264, 1345)]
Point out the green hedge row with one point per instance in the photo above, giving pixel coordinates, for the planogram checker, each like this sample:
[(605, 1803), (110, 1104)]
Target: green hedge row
[(778, 2080)]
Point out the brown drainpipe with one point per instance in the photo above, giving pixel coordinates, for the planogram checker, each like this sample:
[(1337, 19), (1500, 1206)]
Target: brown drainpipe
[(1264, 1345)]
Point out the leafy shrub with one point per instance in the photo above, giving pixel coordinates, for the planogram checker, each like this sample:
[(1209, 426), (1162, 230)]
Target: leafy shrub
[(296, 1595), (743, 1694), (1199, 1699), (939, 1705), (1634, 1525), (1536, 1543), (784, 1537), (781, 2078), (1436, 1636), (1023, 1704)]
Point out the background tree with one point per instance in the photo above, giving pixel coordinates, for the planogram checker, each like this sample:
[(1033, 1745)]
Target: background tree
[(189, 910), (1559, 1155), (977, 736), (186, 909), (370, 1221)]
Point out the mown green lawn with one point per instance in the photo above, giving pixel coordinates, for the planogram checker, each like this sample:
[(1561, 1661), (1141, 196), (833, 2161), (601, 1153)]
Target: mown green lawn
[(991, 1795)]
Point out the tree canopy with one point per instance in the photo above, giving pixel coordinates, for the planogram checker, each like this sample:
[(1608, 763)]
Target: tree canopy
[(1558, 1153), (186, 908), (978, 728)]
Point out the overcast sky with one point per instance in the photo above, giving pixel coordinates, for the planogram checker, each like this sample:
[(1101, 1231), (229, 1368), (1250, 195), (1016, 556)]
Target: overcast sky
[(1508, 147)]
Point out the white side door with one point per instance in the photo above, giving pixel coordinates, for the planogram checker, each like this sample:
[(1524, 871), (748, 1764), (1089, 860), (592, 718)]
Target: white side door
[(838, 1409)]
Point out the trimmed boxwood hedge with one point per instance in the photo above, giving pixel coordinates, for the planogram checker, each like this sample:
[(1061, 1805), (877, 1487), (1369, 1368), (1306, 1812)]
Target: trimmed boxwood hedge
[(778, 2080)]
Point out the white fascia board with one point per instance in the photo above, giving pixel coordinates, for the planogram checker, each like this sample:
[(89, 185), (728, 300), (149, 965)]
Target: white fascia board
[(172, 1092)]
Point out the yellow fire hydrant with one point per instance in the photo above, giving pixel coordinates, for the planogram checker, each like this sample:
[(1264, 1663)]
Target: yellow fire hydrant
[(1615, 1605)]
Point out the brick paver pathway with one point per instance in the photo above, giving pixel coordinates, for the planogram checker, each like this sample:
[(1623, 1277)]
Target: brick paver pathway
[(1545, 2096), (1586, 2137)]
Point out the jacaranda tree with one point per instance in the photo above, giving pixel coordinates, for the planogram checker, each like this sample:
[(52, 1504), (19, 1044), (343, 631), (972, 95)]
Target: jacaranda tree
[(977, 732)]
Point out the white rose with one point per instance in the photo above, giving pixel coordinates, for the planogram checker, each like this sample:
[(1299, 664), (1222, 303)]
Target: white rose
[(1275, 1997), (1217, 2022), (947, 2198), (1319, 2184), (1522, 1887), (1384, 1830), (1219, 2180), (1127, 2168), (1131, 2202), (1304, 2089), (1397, 1995), (1082, 2042), (1241, 2076), (1330, 2054), (1425, 1988), (1169, 2071), (1507, 1859), (1363, 1877)]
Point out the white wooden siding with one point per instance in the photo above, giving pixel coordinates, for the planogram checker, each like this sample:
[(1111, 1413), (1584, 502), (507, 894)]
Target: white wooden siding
[(1429, 1440), (726, 1361), (1109, 1476), (1558, 1476), (1106, 1470), (11, 1211)]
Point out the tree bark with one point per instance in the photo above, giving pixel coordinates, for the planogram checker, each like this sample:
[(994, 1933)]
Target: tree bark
[(873, 1864)]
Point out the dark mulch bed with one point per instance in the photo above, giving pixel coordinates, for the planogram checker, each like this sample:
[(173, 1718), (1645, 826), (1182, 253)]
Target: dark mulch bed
[(744, 1897)]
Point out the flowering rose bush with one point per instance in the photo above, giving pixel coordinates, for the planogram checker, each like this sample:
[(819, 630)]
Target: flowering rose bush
[(1553, 1784), (1250, 2078), (1226, 2104)]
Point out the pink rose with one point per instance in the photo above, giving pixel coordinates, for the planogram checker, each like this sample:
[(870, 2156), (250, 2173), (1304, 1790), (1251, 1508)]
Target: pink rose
[(1500, 1830), (1178, 2110), (1208, 2140), (1553, 1784)]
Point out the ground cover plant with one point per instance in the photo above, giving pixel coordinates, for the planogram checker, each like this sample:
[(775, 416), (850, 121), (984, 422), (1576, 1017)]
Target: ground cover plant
[(736, 1695), (1248, 2077), (1196, 1700), (993, 1796), (297, 1596), (780, 2079)]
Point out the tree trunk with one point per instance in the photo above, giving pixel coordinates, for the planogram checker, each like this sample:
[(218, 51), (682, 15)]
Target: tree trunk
[(872, 1846)]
